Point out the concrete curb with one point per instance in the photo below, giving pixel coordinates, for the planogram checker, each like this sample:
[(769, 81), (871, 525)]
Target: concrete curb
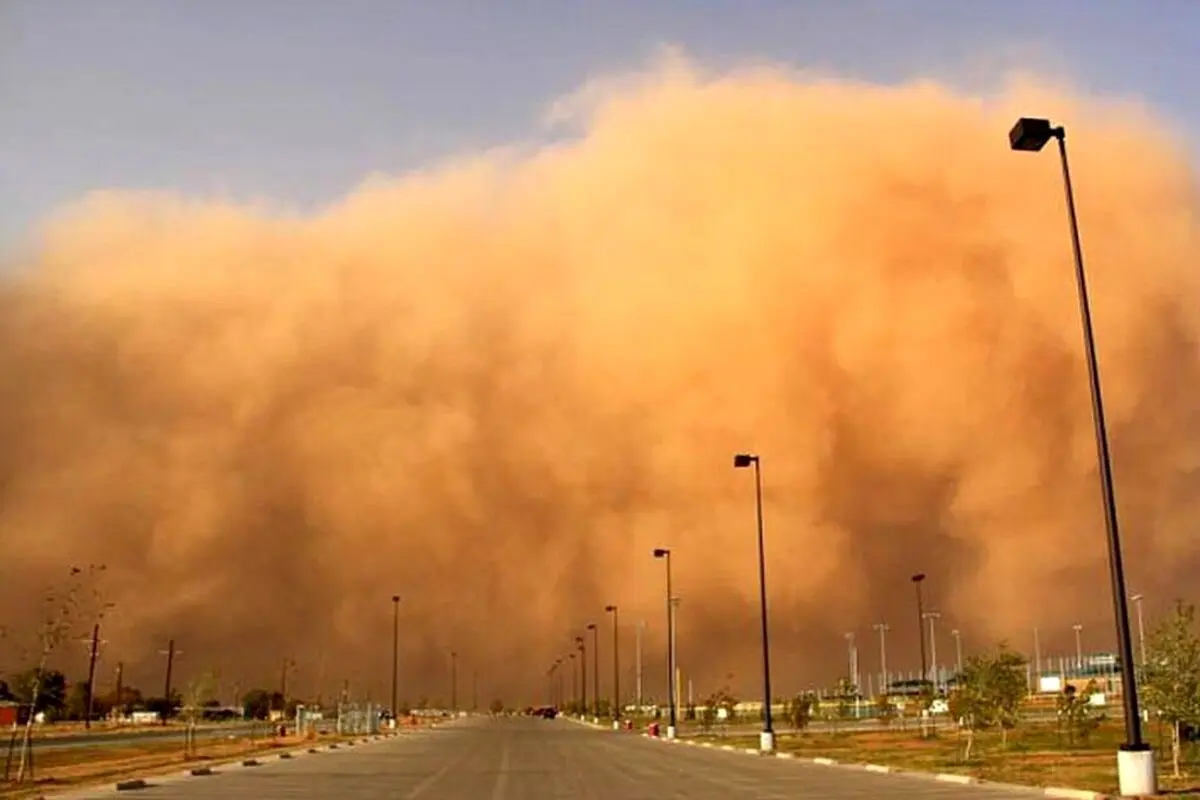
[(950, 777), (942, 777), (167, 778)]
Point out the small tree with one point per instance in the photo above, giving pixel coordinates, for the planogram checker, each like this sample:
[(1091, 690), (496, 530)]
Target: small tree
[(846, 694), (1007, 689), (196, 695), (1171, 675), (720, 700), (969, 702), (800, 710), (885, 710), (1076, 713), (988, 693), (65, 609), (256, 704)]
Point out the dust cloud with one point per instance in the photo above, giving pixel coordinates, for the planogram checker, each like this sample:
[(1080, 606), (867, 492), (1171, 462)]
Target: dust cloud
[(495, 385)]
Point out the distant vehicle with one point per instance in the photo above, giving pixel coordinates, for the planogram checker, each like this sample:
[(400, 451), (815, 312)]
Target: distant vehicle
[(545, 712)]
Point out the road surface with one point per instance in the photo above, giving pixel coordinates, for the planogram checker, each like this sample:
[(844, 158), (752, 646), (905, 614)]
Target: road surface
[(530, 759)]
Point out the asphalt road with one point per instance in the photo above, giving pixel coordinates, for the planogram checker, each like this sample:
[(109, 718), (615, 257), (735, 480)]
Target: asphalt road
[(534, 759)]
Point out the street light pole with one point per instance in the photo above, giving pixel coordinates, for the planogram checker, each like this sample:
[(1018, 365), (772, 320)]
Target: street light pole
[(957, 634), (1137, 604), (637, 671), (574, 681), (883, 628), (1135, 759), (852, 652), (454, 682), (917, 580), (665, 553), (595, 670), (767, 737), (616, 644), (395, 652), (1078, 647), (583, 703), (933, 616)]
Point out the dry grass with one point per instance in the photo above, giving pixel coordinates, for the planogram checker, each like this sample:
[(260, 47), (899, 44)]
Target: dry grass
[(1036, 755), (65, 768)]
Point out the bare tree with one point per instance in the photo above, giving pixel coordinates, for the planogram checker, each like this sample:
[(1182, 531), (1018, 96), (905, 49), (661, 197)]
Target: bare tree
[(198, 692), (68, 609)]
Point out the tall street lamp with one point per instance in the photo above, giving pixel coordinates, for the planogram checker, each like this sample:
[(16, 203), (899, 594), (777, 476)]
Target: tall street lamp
[(454, 682), (957, 634), (1135, 759), (665, 554), (883, 628), (932, 617), (917, 580), (767, 737), (583, 703), (574, 681), (595, 670), (616, 700), (395, 650), (1137, 604), (1078, 648), (852, 652)]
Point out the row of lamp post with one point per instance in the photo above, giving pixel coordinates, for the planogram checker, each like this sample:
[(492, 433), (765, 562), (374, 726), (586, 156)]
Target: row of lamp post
[(1135, 759)]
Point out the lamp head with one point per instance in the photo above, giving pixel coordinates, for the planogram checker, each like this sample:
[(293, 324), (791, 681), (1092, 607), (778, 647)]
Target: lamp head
[(661, 552), (610, 609), (1030, 134), (920, 576), (742, 460)]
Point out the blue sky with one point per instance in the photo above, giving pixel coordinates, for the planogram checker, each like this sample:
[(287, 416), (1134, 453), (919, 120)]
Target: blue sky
[(298, 100)]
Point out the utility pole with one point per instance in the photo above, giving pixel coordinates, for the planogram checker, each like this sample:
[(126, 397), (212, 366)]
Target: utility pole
[(288, 664), (89, 697), (170, 653), (120, 705), (454, 682), (474, 689), (638, 665)]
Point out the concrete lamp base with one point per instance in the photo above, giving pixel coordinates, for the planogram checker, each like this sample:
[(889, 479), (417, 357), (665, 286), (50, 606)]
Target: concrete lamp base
[(670, 731), (1135, 772), (616, 725), (766, 742)]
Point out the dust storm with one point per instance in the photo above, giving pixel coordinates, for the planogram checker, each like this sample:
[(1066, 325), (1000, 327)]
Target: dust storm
[(493, 386)]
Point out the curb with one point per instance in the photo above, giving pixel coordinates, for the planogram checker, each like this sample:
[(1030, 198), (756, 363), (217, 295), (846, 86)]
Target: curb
[(950, 777), (166, 778), (942, 777)]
